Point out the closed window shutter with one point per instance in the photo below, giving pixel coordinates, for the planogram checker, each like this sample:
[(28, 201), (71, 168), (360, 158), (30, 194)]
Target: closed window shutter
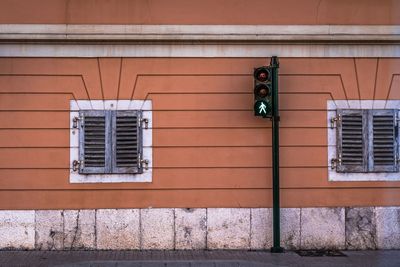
[(352, 142), (383, 141), (94, 147), (127, 142)]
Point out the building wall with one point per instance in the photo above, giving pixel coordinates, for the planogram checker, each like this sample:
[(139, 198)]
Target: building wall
[(306, 12), (211, 228), (211, 183), (208, 148)]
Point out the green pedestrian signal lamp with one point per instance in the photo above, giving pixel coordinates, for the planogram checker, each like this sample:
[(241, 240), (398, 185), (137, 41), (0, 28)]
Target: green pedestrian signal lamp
[(263, 92)]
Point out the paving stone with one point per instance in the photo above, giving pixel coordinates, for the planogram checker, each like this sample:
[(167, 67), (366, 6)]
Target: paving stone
[(245, 258), (79, 229), (190, 228), (360, 228), (17, 229), (322, 228), (388, 227), (228, 228), (262, 229), (49, 230), (157, 228), (117, 229)]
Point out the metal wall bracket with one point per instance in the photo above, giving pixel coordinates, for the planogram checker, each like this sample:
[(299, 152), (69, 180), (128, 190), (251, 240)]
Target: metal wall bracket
[(145, 163), (146, 122), (75, 165), (335, 162), (334, 120), (75, 121)]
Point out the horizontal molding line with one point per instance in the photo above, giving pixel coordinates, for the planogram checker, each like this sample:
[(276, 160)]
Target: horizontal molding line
[(61, 40), (200, 50), (201, 188), (87, 32)]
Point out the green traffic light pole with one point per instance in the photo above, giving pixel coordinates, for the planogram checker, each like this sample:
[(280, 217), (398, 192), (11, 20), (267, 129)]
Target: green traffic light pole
[(275, 158)]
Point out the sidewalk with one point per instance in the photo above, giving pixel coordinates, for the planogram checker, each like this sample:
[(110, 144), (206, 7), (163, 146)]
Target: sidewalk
[(194, 258)]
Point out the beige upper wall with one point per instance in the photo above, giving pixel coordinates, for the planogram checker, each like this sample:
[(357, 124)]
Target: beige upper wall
[(246, 12)]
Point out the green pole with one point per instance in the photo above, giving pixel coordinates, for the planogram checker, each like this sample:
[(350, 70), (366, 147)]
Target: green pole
[(275, 158)]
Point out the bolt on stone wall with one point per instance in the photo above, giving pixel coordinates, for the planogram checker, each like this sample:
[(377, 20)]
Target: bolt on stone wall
[(212, 228)]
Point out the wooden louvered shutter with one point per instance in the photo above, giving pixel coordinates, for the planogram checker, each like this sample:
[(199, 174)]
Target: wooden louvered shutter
[(94, 144), (383, 141), (352, 141), (126, 142)]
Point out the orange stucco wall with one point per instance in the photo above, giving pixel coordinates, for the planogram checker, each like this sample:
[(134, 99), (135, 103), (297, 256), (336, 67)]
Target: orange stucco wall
[(201, 12), (209, 149)]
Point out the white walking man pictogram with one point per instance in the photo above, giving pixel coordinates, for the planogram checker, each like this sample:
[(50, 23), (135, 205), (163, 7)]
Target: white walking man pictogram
[(262, 108)]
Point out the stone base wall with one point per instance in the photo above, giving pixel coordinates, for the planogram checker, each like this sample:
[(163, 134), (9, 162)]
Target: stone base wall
[(211, 228)]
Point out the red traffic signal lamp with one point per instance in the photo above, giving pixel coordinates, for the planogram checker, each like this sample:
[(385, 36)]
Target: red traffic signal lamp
[(263, 91)]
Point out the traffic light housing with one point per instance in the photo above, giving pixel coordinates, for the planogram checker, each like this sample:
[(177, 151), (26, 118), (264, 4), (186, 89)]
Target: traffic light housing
[(263, 91)]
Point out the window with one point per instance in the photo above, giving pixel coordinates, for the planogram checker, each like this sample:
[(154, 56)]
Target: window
[(110, 141), (366, 140)]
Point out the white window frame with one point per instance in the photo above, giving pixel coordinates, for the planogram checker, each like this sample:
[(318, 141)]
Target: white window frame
[(332, 106), (145, 106)]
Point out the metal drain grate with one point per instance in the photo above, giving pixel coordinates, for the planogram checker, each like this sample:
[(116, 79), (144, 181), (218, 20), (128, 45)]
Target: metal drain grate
[(320, 253)]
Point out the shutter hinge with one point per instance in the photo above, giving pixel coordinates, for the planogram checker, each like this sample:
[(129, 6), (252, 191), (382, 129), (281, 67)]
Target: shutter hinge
[(146, 122), (336, 162), (75, 121), (76, 164), (144, 162), (335, 120)]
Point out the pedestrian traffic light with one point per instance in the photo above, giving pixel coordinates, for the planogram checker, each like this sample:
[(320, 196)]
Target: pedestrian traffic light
[(263, 91)]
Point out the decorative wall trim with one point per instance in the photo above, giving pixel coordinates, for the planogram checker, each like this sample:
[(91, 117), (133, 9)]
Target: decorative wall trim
[(332, 106), (198, 50), (317, 33), (145, 106), (60, 40), (202, 228)]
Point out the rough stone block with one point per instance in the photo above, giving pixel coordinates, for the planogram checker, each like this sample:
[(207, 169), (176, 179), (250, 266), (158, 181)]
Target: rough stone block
[(117, 229), (262, 230), (17, 229), (290, 228), (360, 228), (228, 228), (190, 228), (79, 229), (261, 226), (49, 230), (157, 228), (388, 227), (322, 228)]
